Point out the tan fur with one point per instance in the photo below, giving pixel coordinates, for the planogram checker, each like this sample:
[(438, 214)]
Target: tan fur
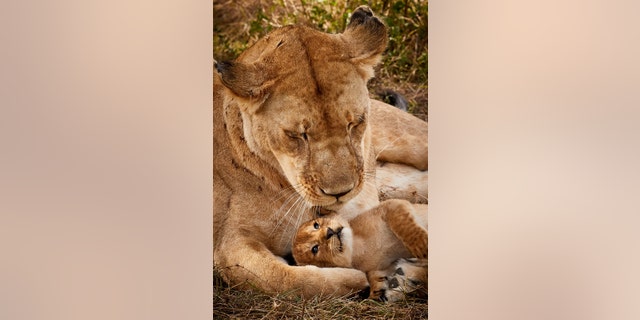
[(400, 181), (371, 241), (399, 137), (400, 143), (292, 135)]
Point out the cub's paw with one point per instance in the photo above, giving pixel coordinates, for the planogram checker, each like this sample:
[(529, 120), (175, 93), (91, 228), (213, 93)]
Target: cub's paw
[(406, 276)]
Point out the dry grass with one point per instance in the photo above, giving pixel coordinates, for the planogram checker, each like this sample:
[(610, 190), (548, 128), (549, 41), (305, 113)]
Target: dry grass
[(230, 303)]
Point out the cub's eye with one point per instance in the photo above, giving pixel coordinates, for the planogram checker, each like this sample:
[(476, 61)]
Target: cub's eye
[(316, 225), (314, 250)]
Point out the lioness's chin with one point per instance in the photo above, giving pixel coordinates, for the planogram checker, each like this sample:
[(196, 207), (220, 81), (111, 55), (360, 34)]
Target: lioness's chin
[(334, 207), (331, 203)]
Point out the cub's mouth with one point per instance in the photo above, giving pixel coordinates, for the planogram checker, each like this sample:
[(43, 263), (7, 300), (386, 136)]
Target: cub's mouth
[(338, 235)]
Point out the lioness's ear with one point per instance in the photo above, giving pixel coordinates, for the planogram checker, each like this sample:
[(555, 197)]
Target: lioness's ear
[(367, 36), (245, 80)]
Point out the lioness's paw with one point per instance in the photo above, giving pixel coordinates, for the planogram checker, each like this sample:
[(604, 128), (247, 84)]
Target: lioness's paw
[(404, 277)]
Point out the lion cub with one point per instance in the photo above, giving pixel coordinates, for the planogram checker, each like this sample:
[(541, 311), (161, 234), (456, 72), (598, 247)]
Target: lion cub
[(372, 242)]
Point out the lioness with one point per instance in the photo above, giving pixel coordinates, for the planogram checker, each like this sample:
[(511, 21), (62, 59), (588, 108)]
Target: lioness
[(372, 242), (292, 137)]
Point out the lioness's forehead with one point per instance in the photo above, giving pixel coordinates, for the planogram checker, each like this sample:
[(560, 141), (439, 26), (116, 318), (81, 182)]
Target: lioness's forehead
[(344, 107), (307, 63), (293, 40)]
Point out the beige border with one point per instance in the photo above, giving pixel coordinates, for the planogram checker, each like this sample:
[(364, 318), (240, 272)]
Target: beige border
[(534, 110), (105, 160)]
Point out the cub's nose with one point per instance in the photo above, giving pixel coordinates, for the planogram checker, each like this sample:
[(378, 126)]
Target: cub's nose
[(331, 233)]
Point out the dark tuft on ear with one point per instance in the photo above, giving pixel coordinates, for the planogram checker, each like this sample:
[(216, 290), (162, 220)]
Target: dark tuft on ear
[(360, 16), (368, 38), (367, 31), (222, 66), (245, 80)]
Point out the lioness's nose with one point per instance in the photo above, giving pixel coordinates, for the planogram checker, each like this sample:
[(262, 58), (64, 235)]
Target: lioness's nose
[(335, 193)]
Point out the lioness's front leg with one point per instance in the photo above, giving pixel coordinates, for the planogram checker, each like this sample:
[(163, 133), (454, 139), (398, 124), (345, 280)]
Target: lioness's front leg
[(398, 137), (249, 264), (399, 181)]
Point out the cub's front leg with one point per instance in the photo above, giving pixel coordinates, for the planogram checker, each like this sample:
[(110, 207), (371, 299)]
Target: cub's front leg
[(247, 263), (408, 221)]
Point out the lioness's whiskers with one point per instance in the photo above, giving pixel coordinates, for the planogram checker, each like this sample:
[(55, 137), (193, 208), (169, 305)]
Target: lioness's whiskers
[(286, 207), (293, 196), (290, 197), (300, 211), (293, 209), (283, 193), (284, 213)]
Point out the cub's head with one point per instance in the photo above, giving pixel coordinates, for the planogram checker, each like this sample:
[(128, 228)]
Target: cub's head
[(324, 242), (305, 107)]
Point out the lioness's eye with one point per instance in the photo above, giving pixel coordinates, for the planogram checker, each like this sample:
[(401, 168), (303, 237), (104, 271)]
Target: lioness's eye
[(296, 135), (316, 226), (291, 134), (314, 250), (357, 122)]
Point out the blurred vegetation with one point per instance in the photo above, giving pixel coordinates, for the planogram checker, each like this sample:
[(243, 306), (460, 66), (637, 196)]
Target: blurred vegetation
[(404, 68)]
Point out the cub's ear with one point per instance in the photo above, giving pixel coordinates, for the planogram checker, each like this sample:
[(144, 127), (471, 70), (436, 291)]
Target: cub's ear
[(247, 81), (367, 38)]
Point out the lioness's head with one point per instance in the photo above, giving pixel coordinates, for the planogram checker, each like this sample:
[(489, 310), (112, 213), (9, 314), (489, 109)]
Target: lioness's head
[(304, 103), (324, 242)]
